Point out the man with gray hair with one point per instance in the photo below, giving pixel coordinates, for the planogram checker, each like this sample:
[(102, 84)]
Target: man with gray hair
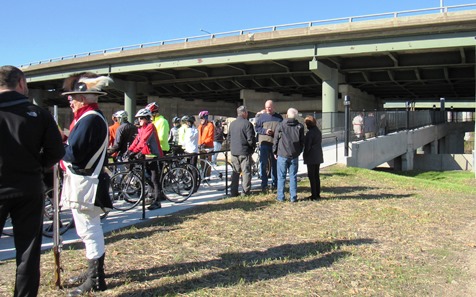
[(288, 145), (242, 144)]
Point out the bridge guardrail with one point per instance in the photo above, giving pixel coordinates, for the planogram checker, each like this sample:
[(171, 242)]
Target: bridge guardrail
[(441, 9)]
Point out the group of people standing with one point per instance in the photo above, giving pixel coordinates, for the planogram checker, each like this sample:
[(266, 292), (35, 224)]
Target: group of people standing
[(32, 141), (281, 142)]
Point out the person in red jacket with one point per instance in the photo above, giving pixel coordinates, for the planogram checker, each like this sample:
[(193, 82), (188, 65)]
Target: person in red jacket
[(147, 143)]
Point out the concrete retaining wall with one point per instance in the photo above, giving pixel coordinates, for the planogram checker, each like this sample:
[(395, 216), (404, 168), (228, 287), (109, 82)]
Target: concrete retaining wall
[(440, 162)]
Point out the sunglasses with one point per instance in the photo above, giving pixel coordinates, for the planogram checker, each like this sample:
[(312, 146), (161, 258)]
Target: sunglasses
[(142, 118)]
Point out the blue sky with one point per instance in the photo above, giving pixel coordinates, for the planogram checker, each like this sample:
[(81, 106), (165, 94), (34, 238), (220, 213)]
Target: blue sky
[(39, 30)]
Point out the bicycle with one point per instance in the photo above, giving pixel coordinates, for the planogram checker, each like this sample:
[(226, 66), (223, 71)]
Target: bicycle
[(127, 188), (214, 175), (65, 223)]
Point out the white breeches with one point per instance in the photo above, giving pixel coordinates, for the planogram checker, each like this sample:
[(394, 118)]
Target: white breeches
[(89, 229)]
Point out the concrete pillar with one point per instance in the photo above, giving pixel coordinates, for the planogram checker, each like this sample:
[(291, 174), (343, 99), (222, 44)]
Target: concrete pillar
[(407, 158), (330, 91), (442, 146), (434, 147), (130, 99)]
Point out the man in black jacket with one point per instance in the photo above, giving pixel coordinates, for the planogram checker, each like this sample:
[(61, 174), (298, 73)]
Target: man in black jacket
[(288, 145), (29, 142), (242, 145)]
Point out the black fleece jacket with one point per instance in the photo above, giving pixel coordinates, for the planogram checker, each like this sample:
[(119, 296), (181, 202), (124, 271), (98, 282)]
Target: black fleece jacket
[(289, 139), (29, 142)]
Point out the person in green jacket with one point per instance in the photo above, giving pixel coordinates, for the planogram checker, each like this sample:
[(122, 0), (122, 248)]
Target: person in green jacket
[(162, 126)]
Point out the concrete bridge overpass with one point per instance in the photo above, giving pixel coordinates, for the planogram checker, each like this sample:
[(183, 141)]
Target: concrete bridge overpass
[(419, 56), (414, 55)]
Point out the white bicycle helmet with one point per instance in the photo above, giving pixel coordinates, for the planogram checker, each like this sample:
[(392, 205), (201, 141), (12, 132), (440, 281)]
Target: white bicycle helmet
[(121, 114), (144, 112)]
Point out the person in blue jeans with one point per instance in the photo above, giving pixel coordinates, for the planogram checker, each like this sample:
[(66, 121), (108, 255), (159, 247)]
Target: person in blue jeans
[(265, 127), (288, 145)]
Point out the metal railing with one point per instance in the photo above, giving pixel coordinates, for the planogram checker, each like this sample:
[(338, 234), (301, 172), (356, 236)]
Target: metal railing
[(382, 122), (250, 31)]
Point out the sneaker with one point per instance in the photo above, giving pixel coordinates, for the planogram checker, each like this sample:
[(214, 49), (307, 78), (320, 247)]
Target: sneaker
[(155, 205)]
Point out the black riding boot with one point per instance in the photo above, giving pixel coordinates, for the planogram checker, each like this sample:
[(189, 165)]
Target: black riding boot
[(95, 280), (77, 279)]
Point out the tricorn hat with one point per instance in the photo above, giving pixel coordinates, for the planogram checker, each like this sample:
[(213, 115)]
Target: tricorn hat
[(85, 83)]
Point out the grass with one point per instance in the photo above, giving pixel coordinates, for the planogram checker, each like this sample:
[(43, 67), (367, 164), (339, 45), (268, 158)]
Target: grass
[(373, 234)]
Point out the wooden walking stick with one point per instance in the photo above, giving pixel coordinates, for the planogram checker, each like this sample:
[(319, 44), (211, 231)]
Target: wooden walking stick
[(57, 243)]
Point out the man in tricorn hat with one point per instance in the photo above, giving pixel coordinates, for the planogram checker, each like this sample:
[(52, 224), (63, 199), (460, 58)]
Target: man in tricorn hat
[(85, 185)]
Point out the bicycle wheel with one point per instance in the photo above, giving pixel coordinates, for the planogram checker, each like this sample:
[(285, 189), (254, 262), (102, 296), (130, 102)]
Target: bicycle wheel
[(126, 190), (224, 171), (178, 184), (196, 173), (65, 216), (218, 176)]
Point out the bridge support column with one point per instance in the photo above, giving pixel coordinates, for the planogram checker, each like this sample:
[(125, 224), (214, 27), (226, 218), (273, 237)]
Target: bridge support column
[(130, 98), (330, 92), (434, 147), (407, 158)]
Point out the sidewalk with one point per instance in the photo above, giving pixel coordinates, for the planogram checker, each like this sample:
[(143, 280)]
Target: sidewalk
[(118, 219)]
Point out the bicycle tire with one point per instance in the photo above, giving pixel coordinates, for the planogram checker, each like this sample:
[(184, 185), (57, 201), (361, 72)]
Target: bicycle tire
[(126, 190), (66, 220), (217, 178), (194, 171), (178, 184)]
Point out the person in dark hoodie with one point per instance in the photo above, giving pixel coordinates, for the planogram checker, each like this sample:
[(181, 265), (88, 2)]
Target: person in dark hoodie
[(288, 145), (29, 142)]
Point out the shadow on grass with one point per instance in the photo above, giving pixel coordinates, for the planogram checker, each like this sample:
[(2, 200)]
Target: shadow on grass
[(235, 268), (342, 193), (168, 222)]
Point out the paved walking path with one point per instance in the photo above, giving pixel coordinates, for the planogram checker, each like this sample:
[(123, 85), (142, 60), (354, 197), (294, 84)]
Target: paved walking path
[(118, 219)]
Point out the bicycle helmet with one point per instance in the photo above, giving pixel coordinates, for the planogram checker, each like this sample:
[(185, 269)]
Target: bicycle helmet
[(203, 114), (121, 114), (143, 113), (190, 119), (176, 120), (184, 118), (153, 107)]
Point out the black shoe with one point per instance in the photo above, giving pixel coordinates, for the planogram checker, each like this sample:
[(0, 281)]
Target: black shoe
[(155, 205)]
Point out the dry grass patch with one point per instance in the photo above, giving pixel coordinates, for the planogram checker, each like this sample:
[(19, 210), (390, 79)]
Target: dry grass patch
[(373, 234)]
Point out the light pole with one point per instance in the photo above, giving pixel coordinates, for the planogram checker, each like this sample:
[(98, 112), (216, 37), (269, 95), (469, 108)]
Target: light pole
[(347, 125), (205, 31), (441, 6)]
